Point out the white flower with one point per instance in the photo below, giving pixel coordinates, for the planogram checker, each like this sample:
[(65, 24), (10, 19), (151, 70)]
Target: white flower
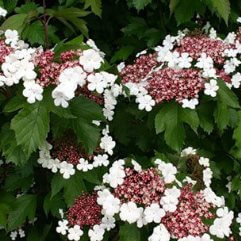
[(108, 78), (53, 165), (209, 73), (109, 203), (96, 82), (101, 160), (154, 213), (172, 58), (170, 199), (90, 60), (11, 36), (204, 62), (188, 151), (66, 169), (97, 233), (92, 44), (63, 93), (21, 233), (74, 74), (238, 219), (136, 166), (130, 212), (107, 223), (13, 235), (211, 197), (204, 161), (141, 53), (84, 165), (63, 227), (145, 102), (239, 19), (186, 103), (211, 88), (207, 176), (236, 80), (32, 91), (116, 90), (3, 12), (107, 144), (184, 61), (75, 233), (213, 33), (168, 170), (168, 42), (120, 66), (229, 66), (160, 233), (221, 225), (108, 114)]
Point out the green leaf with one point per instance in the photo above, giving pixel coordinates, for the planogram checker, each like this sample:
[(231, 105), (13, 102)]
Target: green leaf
[(57, 184), (206, 117), (87, 134), (237, 132), (129, 232), (141, 4), (221, 115), (173, 4), (12, 152), (170, 119), (95, 6), (34, 33), (186, 9), (31, 126), (15, 103), (53, 205), (15, 22), (227, 96), (86, 109), (223, 8), (27, 7), (25, 208), (123, 53)]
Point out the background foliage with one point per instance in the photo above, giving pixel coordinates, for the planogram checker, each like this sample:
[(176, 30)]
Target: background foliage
[(121, 29)]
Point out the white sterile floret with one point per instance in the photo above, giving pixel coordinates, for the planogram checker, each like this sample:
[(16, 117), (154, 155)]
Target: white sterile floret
[(209, 73), (116, 90), (63, 227), (32, 91), (92, 44), (121, 66), (130, 212), (211, 197), (188, 151), (168, 42), (3, 12), (53, 165), (236, 80), (172, 58), (108, 114), (141, 53), (96, 82), (84, 165), (108, 78), (204, 62), (239, 19), (231, 37), (211, 88), (107, 223), (107, 144), (96, 233), (170, 199), (63, 93), (160, 233), (167, 169), (212, 33), (184, 61), (110, 204), (221, 225), (203, 161), (11, 36), (101, 160), (207, 177), (141, 221), (66, 169), (145, 102), (90, 60), (21, 233), (191, 104), (229, 66), (74, 74), (238, 219), (189, 180), (137, 167), (13, 235), (75, 233), (154, 213), (115, 176)]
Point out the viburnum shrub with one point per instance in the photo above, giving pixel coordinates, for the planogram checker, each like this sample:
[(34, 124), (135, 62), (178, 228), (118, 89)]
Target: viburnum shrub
[(104, 145)]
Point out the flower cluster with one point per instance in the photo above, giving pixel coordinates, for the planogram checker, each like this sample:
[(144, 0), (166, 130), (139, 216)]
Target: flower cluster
[(74, 73), (182, 67), (66, 155), (154, 195)]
